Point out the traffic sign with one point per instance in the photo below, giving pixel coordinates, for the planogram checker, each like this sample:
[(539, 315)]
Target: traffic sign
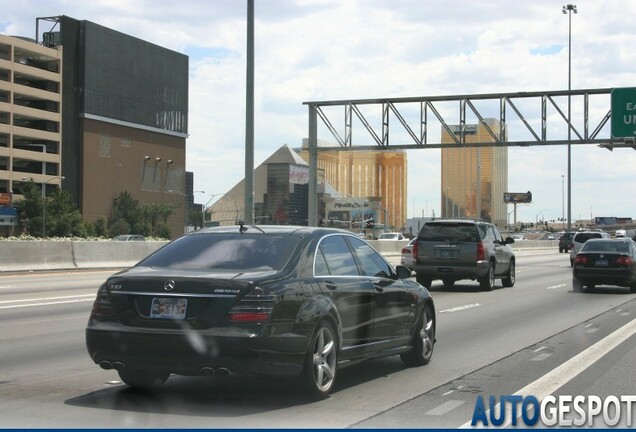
[(623, 103)]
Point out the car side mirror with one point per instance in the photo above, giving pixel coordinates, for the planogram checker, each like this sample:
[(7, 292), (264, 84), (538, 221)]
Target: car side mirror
[(402, 272), (509, 240)]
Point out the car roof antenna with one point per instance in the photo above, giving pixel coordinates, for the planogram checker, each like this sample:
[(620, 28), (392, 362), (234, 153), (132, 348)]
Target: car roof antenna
[(242, 227)]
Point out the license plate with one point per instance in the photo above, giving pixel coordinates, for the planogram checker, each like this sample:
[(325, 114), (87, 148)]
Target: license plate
[(601, 263), (447, 253), (168, 308)]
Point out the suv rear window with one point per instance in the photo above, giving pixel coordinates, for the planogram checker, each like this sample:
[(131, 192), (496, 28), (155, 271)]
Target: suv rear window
[(583, 237), (460, 232)]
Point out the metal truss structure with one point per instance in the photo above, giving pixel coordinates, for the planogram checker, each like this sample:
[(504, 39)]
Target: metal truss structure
[(523, 119)]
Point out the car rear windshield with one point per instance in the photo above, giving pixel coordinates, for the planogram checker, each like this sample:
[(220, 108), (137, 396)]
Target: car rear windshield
[(605, 246), (459, 232), (225, 251)]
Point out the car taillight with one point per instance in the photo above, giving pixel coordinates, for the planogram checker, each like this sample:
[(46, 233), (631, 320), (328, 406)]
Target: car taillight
[(581, 259), (571, 245), (255, 307), (481, 252), (624, 260), (406, 251), (102, 306), (415, 251)]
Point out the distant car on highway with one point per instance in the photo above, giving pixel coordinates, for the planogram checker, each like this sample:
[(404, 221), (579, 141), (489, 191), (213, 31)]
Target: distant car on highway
[(565, 241), (129, 237), (603, 261), (454, 249), (391, 236), (406, 258)]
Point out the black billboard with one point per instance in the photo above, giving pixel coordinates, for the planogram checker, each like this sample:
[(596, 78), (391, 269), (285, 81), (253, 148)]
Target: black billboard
[(128, 79), (518, 197)]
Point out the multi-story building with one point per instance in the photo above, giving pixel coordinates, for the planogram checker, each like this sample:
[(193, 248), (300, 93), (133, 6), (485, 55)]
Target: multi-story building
[(474, 179), (105, 110), (31, 95), (378, 177)]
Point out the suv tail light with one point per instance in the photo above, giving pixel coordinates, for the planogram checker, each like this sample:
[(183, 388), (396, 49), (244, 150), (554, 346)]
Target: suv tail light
[(481, 251), (415, 251), (406, 250)]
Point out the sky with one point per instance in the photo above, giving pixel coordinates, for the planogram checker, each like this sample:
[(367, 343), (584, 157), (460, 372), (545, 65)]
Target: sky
[(317, 50)]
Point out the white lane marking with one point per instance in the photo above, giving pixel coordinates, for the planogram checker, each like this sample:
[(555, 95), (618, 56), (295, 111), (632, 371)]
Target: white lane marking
[(541, 348), (448, 392), (556, 286), (558, 377), (46, 301), (460, 308), (541, 357), (445, 407)]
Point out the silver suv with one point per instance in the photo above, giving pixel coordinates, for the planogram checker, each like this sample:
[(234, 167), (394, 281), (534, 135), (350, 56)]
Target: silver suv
[(454, 249), (580, 237)]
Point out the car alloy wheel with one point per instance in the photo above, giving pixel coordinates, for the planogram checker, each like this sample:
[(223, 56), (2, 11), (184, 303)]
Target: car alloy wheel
[(320, 368), (423, 340)]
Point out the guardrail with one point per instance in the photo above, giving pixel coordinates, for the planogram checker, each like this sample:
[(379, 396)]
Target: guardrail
[(70, 255)]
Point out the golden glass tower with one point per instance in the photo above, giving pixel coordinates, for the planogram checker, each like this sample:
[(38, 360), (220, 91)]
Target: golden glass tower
[(474, 179)]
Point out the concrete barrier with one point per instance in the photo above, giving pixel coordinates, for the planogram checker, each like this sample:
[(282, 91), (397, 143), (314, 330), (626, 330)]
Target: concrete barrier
[(70, 255)]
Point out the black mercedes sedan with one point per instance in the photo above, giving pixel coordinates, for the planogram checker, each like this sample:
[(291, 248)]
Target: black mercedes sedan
[(282, 301), (605, 262)]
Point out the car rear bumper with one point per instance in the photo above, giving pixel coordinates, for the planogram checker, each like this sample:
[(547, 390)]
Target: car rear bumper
[(194, 353), (443, 270), (606, 277)]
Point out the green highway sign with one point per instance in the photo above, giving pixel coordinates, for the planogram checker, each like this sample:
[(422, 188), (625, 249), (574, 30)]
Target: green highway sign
[(623, 112)]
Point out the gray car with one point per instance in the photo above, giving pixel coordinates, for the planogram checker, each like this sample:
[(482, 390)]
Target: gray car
[(454, 249)]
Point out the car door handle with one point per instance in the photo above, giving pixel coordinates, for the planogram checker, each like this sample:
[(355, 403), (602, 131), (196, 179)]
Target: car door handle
[(331, 285), (378, 288)]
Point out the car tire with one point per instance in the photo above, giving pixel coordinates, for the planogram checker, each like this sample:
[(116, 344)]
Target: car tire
[(143, 379), (424, 281), (577, 286), (571, 262), (632, 287), (423, 340), (448, 283), (319, 372), (508, 280), (487, 282)]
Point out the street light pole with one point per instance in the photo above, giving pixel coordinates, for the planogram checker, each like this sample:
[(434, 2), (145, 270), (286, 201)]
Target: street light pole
[(568, 9), (562, 201), (206, 206)]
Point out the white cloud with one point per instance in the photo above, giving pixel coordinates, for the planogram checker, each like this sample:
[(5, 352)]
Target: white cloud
[(333, 49)]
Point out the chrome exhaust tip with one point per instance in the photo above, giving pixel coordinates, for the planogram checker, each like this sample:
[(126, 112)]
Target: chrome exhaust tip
[(207, 371), (117, 365), (223, 372), (105, 364)]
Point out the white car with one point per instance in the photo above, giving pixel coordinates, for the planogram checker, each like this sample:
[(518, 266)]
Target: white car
[(391, 236), (406, 258)]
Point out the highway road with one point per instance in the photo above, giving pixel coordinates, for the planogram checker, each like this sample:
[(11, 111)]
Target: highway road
[(534, 337)]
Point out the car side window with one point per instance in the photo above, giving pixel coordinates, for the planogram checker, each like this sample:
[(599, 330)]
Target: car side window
[(497, 234), (371, 262), (337, 255), (489, 235)]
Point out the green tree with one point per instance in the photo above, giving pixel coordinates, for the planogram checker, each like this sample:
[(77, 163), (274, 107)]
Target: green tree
[(63, 219), (128, 209), (101, 227), (30, 209)]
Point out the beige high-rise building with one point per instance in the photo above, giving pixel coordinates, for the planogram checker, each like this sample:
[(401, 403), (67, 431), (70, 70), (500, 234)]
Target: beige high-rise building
[(381, 175), (474, 179)]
